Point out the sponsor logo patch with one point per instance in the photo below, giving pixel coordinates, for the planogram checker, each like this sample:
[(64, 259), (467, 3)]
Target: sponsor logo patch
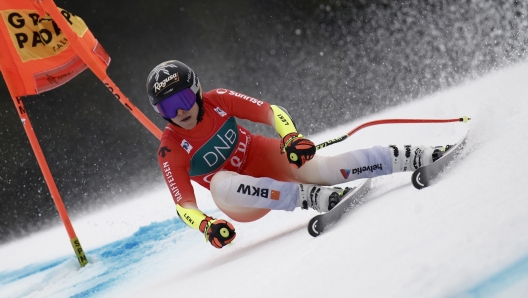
[(259, 192), (186, 146), (357, 171), (220, 112), (163, 151), (218, 150), (248, 98), (38, 38), (171, 79), (171, 182), (275, 195)]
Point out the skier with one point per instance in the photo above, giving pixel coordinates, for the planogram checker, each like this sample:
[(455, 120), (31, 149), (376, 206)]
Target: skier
[(249, 175)]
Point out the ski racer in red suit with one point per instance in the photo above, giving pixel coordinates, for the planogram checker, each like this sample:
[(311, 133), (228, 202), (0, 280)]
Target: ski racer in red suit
[(249, 175)]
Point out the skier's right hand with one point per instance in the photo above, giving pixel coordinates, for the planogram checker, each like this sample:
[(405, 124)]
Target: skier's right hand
[(218, 232)]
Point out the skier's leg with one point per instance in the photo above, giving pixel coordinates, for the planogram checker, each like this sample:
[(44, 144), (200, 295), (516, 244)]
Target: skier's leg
[(349, 166), (245, 198), (366, 163), (265, 160)]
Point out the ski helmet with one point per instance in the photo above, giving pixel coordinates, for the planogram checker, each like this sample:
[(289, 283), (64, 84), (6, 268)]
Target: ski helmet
[(170, 77)]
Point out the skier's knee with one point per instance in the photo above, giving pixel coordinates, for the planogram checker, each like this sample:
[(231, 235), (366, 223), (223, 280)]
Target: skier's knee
[(220, 185)]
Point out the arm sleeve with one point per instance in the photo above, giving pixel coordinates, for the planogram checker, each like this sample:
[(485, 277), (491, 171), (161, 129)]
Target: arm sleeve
[(283, 122), (243, 106), (256, 110), (192, 217), (175, 168)]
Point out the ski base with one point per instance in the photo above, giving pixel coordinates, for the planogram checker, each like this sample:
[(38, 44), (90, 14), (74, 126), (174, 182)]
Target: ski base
[(319, 222), (423, 176)]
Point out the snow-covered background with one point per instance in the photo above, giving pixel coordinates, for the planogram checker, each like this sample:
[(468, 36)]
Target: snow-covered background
[(465, 236)]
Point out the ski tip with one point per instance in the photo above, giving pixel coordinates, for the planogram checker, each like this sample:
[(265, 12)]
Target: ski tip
[(313, 227), (417, 180)]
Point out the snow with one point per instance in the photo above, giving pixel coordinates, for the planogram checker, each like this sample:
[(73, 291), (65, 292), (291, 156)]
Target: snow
[(465, 236)]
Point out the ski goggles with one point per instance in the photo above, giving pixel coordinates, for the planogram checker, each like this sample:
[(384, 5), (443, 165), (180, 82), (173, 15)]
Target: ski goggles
[(185, 99)]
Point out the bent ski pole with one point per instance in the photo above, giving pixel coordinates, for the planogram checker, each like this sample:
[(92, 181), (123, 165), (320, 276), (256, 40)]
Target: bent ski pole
[(388, 121)]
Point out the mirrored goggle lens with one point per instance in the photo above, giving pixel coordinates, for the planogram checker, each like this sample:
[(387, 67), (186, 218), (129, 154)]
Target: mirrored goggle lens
[(184, 100)]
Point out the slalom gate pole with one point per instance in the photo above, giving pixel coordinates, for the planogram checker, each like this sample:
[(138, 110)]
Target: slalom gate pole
[(55, 195), (88, 57), (388, 121), (131, 107)]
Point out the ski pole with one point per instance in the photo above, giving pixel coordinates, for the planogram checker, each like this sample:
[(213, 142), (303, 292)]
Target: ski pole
[(464, 119)]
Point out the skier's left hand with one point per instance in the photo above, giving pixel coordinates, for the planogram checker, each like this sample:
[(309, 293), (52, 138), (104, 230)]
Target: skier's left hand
[(298, 149)]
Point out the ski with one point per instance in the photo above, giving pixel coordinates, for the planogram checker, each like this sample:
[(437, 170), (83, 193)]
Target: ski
[(422, 176), (319, 222)]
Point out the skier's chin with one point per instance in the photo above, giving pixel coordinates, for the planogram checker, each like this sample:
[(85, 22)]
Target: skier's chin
[(187, 123)]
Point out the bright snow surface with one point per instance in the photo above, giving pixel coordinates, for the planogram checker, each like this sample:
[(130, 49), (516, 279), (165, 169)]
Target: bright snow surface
[(465, 236)]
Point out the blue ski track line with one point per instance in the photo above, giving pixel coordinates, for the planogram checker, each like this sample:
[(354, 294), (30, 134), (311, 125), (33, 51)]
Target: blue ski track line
[(500, 281), (115, 255)]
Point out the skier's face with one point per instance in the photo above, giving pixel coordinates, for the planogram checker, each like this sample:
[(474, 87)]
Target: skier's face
[(187, 119)]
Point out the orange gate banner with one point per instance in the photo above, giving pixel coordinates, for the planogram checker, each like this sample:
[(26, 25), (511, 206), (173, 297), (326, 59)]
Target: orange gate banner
[(35, 55)]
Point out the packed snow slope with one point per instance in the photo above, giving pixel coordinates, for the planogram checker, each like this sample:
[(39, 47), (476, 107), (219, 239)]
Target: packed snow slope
[(465, 236)]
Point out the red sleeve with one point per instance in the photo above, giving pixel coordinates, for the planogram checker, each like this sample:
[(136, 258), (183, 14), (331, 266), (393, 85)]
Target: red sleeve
[(243, 106), (175, 165)]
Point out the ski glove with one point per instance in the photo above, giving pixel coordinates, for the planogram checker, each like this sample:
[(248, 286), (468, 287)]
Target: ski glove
[(298, 149), (218, 232)]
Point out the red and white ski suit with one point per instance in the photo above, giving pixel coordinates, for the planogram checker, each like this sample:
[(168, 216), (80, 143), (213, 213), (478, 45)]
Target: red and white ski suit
[(218, 144)]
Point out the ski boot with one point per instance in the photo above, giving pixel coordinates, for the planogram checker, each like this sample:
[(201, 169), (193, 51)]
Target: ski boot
[(320, 198), (412, 158), (439, 151)]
